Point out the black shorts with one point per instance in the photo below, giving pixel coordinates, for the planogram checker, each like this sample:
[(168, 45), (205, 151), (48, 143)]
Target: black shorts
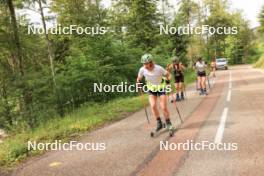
[(201, 74), (179, 79), (158, 93)]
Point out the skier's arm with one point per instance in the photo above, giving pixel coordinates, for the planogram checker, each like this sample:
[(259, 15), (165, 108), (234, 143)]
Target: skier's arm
[(140, 75), (169, 67), (182, 67), (166, 74), (168, 77), (139, 79)]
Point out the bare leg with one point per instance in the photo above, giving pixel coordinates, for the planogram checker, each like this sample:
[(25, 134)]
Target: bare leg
[(177, 87), (164, 106), (180, 87), (153, 104), (203, 79), (200, 83)]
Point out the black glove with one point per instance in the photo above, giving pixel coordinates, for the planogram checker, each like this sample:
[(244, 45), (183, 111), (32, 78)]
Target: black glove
[(140, 85), (167, 81)]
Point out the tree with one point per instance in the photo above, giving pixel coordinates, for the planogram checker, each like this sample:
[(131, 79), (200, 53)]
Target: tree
[(143, 26), (261, 20)]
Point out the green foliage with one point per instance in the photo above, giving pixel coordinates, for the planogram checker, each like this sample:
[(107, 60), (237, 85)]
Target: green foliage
[(261, 20), (260, 62), (142, 28), (33, 98)]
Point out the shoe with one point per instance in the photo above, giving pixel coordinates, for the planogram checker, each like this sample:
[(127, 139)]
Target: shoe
[(205, 93), (159, 125), (168, 124), (182, 95), (201, 92), (178, 97)]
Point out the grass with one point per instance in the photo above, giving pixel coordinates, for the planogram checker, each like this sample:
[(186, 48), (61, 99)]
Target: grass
[(260, 63), (88, 117), (190, 76)]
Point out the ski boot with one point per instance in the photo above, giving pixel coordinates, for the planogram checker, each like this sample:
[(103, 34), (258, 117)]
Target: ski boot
[(160, 125), (178, 97), (182, 95), (205, 93), (201, 91)]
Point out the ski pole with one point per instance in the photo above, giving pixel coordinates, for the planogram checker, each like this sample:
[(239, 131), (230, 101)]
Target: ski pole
[(185, 90), (177, 109), (179, 113), (197, 88), (208, 81), (142, 100)]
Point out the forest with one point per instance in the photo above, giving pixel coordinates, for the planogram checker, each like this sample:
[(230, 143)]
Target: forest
[(48, 74)]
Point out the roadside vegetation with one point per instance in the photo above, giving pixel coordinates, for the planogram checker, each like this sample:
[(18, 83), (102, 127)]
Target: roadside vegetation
[(259, 49), (46, 80)]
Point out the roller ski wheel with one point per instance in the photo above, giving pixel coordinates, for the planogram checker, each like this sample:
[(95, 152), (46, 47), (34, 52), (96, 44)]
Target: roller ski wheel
[(171, 130), (152, 134)]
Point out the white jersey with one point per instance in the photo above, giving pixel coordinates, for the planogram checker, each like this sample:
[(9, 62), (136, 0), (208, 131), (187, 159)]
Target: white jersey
[(154, 76), (200, 66)]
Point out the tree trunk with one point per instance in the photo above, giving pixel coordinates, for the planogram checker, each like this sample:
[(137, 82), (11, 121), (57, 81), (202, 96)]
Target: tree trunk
[(49, 45), (26, 98), (16, 37), (7, 110)]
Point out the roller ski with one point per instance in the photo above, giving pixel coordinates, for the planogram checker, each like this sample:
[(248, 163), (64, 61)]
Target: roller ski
[(170, 128), (160, 125), (203, 92)]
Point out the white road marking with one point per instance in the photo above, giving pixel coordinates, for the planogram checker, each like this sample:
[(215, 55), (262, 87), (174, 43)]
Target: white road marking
[(230, 80), (221, 127), (55, 164), (230, 85), (228, 98)]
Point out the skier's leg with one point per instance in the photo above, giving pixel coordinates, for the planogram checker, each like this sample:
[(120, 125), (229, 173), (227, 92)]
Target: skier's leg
[(164, 106), (200, 85), (203, 79), (153, 105), (181, 90), (177, 91), (154, 108), (165, 110)]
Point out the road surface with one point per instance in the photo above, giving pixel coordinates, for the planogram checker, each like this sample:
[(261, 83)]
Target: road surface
[(232, 114)]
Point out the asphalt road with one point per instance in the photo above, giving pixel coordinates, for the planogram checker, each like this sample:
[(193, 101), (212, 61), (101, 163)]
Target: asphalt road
[(231, 115)]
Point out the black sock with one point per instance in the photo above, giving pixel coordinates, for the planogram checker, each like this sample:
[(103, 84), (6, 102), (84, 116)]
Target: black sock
[(158, 119), (168, 120)]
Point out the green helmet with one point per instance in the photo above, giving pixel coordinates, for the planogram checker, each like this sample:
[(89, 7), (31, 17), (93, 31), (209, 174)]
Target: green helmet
[(175, 59), (146, 58)]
